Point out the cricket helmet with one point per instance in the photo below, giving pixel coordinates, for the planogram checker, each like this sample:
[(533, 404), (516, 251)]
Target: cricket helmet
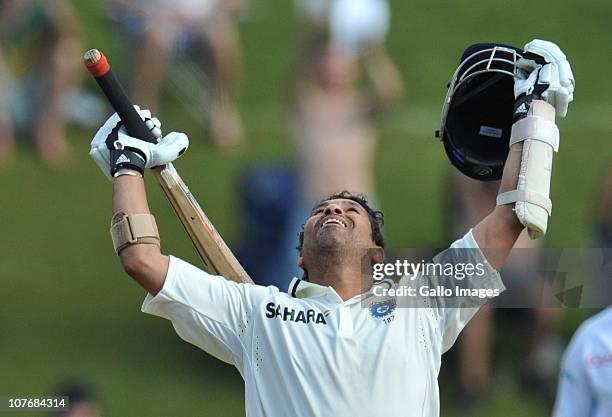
[(477, 111)]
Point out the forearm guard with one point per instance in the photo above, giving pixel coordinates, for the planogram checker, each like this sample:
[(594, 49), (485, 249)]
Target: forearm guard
[(540, 137)]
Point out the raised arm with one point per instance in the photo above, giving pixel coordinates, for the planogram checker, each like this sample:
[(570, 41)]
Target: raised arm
[(123, 160), (544, 85), (143, 262), (387, 84)]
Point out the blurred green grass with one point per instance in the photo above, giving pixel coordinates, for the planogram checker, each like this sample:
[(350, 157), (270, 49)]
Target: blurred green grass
[(68, 309)]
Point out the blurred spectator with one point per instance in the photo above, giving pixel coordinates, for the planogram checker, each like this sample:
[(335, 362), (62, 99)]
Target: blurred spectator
[(585, 382), (202, 28), (332, 125), (331, 117), (469, 202), (83, 401), (39, 41)]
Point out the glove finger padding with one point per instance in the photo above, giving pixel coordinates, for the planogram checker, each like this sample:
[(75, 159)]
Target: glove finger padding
[(168, 149), (549, 51), (154, 126), (560, 92), (145, 114), (548, 79), (566, 76), (153, 123), (554, 80)]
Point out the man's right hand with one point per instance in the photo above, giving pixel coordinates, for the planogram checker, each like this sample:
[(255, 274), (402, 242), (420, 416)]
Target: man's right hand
[(112, 148)]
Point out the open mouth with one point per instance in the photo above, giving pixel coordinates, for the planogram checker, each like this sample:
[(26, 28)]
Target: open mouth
[(334, 221)]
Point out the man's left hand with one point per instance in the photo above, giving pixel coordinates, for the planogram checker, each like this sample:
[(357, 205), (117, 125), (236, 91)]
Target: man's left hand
[(544, 73)]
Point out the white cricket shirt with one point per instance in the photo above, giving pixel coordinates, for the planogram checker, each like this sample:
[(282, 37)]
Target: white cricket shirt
[(309, 353), (585, 383)]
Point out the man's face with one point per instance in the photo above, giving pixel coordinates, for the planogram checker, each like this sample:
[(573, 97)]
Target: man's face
[(339, 224)]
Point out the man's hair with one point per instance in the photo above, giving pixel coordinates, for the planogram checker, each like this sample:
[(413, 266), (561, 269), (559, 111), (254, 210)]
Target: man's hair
[(377, 219)]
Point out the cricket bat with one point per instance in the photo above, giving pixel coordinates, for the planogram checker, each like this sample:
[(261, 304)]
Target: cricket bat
[(217, 257)]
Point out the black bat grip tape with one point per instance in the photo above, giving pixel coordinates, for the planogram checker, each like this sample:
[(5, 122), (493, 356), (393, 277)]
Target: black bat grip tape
[(119, 100)]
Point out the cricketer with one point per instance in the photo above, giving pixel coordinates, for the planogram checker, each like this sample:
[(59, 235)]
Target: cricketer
[(316, 350)]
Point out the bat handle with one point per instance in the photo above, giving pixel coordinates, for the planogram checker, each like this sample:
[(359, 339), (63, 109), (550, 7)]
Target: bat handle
[(98, 65)]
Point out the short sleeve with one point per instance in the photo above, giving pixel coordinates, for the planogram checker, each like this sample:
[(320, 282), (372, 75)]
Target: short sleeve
[(574, 398), (206, 310), (458, 311)]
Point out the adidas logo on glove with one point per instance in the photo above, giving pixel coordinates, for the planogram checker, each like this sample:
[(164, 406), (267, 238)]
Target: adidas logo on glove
[(122, 159), (522, 108)]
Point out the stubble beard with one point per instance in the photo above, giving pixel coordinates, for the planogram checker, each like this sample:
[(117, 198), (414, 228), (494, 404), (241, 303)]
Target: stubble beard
[(331, 249), (328, 240)]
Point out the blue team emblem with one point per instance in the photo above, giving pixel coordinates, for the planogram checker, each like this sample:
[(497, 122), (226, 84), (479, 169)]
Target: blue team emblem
[(382, 309)]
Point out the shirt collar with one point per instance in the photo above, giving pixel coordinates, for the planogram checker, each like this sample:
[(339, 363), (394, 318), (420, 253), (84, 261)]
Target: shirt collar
[(299, 288)]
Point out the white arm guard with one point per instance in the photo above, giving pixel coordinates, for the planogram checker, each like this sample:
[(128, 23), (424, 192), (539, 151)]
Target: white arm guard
[(540, 137)]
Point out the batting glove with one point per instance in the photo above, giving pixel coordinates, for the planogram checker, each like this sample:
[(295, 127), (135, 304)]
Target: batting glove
[(112, 148), (543, 73)]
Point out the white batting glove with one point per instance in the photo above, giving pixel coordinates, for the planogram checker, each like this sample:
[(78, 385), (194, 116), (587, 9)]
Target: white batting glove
[(167, 149), (544, 73), (112, 148)]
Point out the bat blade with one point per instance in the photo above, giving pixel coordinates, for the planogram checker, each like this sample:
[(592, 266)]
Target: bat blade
[(208, 242)]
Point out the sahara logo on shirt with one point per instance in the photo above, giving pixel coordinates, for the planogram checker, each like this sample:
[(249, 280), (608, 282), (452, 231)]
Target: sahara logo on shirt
[(290, 314)]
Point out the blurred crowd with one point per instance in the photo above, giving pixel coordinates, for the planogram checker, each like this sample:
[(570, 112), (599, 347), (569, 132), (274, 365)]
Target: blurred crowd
[(41, 80), (37, 79), (342, 80)]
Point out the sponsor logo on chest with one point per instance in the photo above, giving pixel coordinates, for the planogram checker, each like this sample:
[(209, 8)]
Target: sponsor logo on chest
[(274, 310)]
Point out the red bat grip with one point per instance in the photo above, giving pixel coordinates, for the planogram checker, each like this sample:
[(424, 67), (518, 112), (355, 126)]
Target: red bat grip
[(96, 63)]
